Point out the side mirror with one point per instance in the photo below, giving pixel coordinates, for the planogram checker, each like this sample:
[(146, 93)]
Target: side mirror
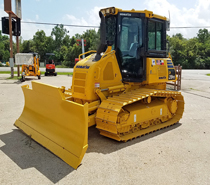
[(168, 25), (167, 46)]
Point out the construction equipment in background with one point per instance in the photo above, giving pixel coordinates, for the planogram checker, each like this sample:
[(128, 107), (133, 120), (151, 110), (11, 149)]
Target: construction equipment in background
[(177, 84), (7, 64), (50, 65), (76, 60), (121, 89), (30, 64)]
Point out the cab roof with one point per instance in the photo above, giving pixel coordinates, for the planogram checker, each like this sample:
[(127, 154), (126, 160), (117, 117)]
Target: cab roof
[(115, 11)]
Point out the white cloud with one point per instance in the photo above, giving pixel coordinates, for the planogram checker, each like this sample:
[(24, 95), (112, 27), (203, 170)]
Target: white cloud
[(93, 16), (197, 16), (2, 14), (92, 19), (29, 30), (204, 10)]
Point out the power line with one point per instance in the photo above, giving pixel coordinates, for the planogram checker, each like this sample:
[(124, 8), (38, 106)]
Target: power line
[(55, 24), (191, 27), (73, 25)]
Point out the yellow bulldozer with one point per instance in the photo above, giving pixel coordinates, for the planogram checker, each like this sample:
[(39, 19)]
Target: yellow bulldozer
[(121, 88)]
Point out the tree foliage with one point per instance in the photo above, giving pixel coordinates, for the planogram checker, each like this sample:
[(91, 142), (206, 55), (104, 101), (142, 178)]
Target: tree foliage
[(4, 47), (191, 53)]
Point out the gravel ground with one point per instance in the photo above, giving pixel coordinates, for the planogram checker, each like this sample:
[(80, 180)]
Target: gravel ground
[(177, 155)]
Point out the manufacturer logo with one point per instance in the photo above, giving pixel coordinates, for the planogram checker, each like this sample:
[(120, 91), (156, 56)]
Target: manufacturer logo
[(162, 77), (125, 14), (83, 67)]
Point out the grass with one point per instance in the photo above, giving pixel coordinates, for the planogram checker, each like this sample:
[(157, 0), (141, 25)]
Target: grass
[(194, 89), (61, 66), (208, 74), (15, 78), (7, 72), (59, 73), (65, 73)]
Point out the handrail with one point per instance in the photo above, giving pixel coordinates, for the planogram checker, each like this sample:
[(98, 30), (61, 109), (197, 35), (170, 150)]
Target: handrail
[(105, 54), (94, 51)]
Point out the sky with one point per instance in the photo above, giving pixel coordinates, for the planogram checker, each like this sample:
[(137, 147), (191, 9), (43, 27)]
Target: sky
[(82, 12)]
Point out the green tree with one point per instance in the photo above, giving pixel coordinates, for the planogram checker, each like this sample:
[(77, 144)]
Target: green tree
[(191, 53), (59, 34), (49, 44), (39, 43), (71, 53), (177, 48), (92, 39), (26, 46), (4, 47), (203, 35), (203, 38)]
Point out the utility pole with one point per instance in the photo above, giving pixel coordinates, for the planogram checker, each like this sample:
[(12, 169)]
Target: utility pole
[(13, 13), (11, 60), (83, 48), (82, 43), (18, 51)]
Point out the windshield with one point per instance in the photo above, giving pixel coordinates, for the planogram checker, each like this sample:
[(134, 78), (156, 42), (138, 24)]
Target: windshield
[(130, 41)]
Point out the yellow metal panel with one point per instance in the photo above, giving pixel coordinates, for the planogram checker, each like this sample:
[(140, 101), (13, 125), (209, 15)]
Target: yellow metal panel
[(105, 126), (111, 116), (58, 124), (157, 72), (91, 120), (144, 112), (147, 13), (108, 73), (102, 74)]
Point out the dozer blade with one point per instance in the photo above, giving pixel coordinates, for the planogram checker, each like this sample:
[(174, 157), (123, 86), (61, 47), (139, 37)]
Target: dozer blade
[(56, 123)]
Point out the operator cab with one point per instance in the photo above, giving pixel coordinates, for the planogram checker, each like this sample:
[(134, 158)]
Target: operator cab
[(135, 37)]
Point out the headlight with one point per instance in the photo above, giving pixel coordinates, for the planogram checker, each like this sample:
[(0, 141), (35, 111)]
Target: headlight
[(107, 11), (113, 10), (103, 12)]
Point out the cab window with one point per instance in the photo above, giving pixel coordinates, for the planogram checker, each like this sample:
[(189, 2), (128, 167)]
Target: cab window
[(155, 35)]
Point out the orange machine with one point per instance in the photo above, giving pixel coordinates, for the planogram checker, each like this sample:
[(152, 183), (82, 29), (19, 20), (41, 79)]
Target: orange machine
[(30, 64), (50, 65)]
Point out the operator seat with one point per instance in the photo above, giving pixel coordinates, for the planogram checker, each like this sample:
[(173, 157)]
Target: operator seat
[(133, 49)]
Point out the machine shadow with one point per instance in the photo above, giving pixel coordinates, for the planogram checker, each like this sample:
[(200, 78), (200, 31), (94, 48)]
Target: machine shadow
[(100, 144), (26, 153), (26, 80)]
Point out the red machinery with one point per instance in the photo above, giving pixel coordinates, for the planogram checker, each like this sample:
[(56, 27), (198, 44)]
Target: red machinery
[(50, 65)]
